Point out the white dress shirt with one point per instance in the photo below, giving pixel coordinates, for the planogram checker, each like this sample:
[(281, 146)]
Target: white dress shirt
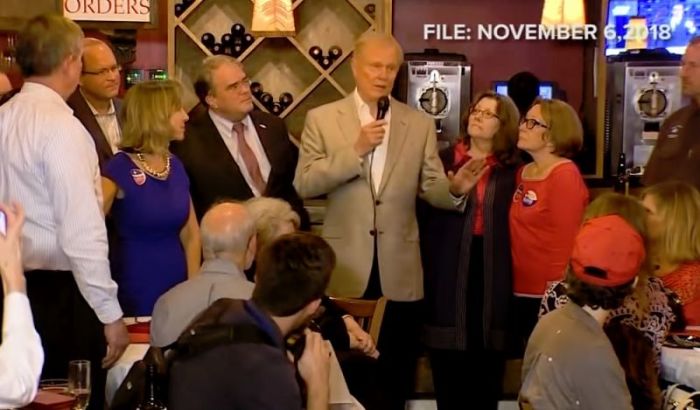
[(21, 355), (109, 124), (379, 159), (225, 128), (48, 164)]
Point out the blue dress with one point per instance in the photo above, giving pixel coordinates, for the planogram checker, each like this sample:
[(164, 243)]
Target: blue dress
[(148, 258)]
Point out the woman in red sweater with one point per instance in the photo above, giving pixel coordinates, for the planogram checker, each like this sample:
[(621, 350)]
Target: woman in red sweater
[(547, 206), (673, 210)]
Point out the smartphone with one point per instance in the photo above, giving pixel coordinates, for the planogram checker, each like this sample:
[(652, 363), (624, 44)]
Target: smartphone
[(3, 224)]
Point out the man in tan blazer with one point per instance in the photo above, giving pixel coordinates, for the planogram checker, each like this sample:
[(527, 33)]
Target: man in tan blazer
[(371, 171)]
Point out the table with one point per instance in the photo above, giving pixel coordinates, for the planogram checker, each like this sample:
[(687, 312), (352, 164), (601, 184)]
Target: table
[(340, 397), (681, 366)]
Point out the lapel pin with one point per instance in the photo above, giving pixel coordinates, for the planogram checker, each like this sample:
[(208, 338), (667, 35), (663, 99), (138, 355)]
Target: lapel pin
[(139, 176)]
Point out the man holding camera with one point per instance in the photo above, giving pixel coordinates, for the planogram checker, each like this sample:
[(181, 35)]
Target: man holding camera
[(291, 278)]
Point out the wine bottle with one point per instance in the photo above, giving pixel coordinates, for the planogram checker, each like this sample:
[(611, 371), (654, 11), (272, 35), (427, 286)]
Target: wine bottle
[(227, 40), (276, 109), (370, 9), (217, 48), (335, 52), (267, 100), (325, 62), (237, 50), (256, 89), (238, 30), (151, 401), (316, 53), (208, 40), (621, 179), (248, 40), (286, 100), (179, 9)]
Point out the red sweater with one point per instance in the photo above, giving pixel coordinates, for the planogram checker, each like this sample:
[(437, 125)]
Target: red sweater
[(544, 218), (685, 282)]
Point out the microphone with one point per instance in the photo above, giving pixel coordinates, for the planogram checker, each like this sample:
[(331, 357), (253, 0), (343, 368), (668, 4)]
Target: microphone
[(382, 107)]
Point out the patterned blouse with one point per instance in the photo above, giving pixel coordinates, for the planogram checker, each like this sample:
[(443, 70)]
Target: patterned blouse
[(685, 282), (655, 324)]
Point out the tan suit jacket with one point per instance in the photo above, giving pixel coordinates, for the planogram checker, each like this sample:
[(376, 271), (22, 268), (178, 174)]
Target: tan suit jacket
[(328, 164)]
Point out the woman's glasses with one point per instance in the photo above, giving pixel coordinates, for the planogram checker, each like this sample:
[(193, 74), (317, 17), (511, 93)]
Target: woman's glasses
[(484, 113), (530, 123)]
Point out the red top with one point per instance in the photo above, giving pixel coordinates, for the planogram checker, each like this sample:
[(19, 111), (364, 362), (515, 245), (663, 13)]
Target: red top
[(544, 218), (462, 156), (685, 282)]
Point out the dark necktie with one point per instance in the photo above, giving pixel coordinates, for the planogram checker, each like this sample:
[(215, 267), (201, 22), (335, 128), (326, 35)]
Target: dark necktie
[(251, 163)]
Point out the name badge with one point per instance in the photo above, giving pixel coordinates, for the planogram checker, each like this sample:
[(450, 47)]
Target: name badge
[(138, 176), (530, 198)]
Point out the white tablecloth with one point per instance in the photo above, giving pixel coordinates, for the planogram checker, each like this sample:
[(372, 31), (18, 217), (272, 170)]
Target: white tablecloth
[(340, 397), (681, 366), (117, 374)]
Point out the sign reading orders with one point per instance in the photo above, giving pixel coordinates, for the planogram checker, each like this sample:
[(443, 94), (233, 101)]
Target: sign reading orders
[(132, 11)]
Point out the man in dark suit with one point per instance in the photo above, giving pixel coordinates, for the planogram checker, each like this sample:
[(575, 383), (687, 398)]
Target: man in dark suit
[(95, 102), (231, 151)]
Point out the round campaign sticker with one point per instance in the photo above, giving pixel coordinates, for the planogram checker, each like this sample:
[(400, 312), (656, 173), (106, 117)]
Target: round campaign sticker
[(530, 198), (139, 176)]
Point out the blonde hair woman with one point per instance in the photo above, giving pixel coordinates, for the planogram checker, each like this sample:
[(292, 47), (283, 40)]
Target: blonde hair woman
[(547, 206), (146, 191), (673, 209)]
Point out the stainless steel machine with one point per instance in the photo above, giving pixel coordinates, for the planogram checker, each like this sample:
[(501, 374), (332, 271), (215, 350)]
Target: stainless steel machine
[(644, 88), (438, 84)]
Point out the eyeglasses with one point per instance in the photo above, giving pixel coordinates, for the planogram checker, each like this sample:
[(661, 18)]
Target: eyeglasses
[(484, 113), (105, 71), (531, 122), (244, 84)]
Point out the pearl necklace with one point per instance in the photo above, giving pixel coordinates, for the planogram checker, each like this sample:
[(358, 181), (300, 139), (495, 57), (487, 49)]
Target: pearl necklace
[(158, 174)]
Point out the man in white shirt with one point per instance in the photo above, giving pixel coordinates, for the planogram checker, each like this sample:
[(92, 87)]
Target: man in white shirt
[(95, 102), (48, 163), (371, 171), (21, 355)]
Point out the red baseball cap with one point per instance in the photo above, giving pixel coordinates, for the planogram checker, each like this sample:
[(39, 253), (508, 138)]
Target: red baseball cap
[(607, 252)]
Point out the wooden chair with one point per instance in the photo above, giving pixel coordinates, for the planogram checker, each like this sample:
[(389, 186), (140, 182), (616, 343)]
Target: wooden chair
[(367, 313)]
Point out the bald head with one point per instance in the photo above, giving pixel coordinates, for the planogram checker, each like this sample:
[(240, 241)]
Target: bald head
[(100, 79), (5, 84), (227, 228)]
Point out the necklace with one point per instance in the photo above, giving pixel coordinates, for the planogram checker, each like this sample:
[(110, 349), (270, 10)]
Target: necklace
[(158, 174)]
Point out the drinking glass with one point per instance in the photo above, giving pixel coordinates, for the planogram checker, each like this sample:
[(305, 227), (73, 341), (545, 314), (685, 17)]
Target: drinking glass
[(79, 383)]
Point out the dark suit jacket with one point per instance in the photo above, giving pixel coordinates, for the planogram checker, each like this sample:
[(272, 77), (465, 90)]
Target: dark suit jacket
[(214, 174), (82, 111)]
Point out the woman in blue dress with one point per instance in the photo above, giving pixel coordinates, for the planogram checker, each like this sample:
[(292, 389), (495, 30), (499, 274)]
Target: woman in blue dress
[(146, 190)]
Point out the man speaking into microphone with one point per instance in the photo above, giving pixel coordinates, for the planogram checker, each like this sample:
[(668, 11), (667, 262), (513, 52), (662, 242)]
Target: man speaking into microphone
[(371, 165)]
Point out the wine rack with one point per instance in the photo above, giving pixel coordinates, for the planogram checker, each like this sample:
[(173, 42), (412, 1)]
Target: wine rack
[(287, 80)]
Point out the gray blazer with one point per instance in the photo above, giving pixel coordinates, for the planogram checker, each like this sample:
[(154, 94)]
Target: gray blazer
[(175, 309), (329, 165)]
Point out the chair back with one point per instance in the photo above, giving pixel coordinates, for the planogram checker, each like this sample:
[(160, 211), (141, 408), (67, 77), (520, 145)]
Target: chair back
[(368, 313)]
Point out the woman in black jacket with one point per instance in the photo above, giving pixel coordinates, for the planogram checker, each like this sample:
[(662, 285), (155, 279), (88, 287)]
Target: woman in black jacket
[(466, 259)]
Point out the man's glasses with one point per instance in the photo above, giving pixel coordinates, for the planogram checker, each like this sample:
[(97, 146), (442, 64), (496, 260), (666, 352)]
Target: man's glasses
[(484, 113), (104, 71), (244, 84), (531, 122)]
